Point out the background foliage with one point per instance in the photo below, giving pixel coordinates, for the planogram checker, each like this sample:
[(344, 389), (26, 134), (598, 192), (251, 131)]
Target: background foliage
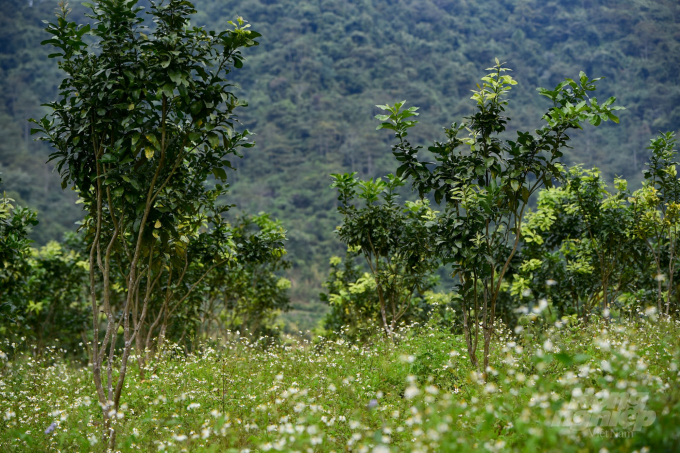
[(313, 83)]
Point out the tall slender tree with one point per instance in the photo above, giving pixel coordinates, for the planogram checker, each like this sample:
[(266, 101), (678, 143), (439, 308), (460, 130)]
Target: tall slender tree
[(144, 116), (485, 183)]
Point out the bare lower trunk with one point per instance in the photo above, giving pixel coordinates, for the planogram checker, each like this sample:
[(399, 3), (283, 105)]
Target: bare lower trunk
[(469, 340), (488, 334), (383, 313)]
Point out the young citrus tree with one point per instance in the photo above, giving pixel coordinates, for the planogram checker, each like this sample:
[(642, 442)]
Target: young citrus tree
[(15, 249), (394, 240), (54, 305), (486, 183), (605, 222), (657, 215), (578, 249), (351, 294), (246, 294), (144, 116), (41, 290)]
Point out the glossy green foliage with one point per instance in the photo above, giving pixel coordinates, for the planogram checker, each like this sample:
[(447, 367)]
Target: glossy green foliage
[(352, 296), (486, 181), (656, 210), (395, 241), (588, 249), (148, 118), (51, 306), (15, 225), (142, 122), (247, 294), (579, 251)]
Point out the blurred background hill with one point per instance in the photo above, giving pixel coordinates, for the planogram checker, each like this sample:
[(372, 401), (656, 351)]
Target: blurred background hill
[(322, 65)]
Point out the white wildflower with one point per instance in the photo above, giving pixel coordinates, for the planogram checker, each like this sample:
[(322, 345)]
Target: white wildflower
[(548, 345), (411, 392)]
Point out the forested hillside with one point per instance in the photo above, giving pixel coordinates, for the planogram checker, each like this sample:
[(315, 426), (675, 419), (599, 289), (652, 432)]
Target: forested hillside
[(321, 67)]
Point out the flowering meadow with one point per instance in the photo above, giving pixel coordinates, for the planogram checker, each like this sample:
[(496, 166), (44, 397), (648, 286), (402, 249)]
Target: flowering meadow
[(599, 386)]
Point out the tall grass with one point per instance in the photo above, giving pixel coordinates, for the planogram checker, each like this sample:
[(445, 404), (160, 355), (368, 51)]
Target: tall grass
[(420, 394)]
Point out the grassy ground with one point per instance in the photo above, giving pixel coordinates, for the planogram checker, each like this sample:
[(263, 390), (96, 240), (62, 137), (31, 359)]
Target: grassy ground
[(421, 394)]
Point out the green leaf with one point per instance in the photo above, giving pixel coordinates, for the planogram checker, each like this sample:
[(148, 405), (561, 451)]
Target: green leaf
[(401, 169), (220, 174), (83, 30), (135, 184), (196, 107), (609, 101), (168, 90), (175, 76), (386, 126), (165, 63), (152, 138), (213, 139)]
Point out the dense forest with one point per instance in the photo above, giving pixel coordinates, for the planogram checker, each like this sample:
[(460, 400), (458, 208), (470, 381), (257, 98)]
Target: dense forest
[(312, 86)]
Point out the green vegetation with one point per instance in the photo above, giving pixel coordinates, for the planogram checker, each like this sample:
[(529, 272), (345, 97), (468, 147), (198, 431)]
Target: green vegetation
[(167, 304), (313, 82), (394, 241), (421, 394), (487, 184)]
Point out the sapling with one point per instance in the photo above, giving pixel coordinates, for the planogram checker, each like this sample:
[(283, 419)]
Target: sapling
[(144, 116), (657, 215), (485, 183), (395, 241)]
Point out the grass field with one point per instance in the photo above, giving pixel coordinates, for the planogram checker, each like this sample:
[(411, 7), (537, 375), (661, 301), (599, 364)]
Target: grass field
[(616, 383)]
